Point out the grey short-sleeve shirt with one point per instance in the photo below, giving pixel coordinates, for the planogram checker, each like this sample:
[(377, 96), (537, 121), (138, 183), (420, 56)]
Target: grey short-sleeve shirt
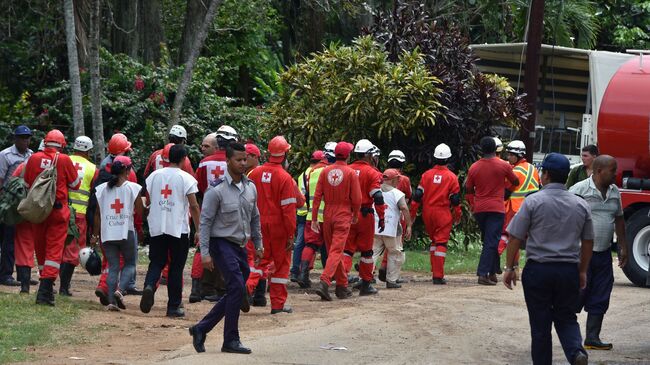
[(553, 221)]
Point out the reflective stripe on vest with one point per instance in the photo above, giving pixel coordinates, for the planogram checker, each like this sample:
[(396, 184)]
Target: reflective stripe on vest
[(313, 181), (530, 184), (79, 198)]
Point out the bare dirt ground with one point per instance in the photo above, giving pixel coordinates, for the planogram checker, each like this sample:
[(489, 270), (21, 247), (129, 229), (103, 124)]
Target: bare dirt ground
[(461, 323)]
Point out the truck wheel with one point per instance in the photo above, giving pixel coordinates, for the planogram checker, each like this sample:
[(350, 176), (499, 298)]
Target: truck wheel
[(638, 245)]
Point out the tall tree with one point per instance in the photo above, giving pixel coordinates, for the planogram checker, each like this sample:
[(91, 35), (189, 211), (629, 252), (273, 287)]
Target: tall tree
[(95, 80), (194, 15), (73, 66), (186, 78)]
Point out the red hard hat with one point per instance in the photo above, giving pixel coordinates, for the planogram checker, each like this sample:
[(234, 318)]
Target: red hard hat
[(278, 146), (54, 138), (118, 144), (252, 149), (165, 152)]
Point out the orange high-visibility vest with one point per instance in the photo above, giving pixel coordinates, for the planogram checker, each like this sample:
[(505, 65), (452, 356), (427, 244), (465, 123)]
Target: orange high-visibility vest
[(528, 183)]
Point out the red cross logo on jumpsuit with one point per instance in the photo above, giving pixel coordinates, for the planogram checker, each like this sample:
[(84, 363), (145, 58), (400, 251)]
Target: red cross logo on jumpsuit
[(117, 206)]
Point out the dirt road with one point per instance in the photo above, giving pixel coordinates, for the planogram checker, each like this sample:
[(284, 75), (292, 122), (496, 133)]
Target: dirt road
[(461, 323)]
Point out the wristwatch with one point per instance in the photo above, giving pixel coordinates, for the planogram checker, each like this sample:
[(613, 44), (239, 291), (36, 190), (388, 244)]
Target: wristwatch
[(510, 269)]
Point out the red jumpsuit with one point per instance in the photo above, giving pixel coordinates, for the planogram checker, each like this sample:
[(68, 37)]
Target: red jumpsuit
[(276, 200), (362, 234), (338, 186), (210, 169), (50, 235), (438, 184), (23, 237)]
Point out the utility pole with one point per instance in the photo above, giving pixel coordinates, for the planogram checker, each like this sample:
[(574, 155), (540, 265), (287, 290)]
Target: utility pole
[(531, 76)]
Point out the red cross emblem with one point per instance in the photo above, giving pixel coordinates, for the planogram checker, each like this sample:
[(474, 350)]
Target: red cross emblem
[(217, 172), (78, 166), (166, 192), (335, 177), (117, 206), (266, 177)]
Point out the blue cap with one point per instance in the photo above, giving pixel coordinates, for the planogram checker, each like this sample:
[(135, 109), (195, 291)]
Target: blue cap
[(556, 161), (22, 130)]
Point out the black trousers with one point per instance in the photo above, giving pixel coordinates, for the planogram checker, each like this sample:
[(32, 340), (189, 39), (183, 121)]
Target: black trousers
[(7, 258), (177, 248)]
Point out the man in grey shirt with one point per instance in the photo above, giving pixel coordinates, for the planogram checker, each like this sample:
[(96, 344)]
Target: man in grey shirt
[(604, 199), (553, 222), (229, 218), (10, 159)]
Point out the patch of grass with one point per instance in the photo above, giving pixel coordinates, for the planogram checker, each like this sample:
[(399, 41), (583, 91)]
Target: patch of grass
[(24, 324), (458, 261)]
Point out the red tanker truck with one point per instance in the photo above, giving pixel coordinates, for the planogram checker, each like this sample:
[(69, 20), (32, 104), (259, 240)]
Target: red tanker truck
[(623, 131)]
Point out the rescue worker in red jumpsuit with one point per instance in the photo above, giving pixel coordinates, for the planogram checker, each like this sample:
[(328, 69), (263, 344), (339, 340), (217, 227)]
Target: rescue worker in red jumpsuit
[(209, 285), (362, 233), (276, 201), (177, 135), (50, 235), (438, 193), (118, 145), (396, 160), (338, 186), (79, 199)]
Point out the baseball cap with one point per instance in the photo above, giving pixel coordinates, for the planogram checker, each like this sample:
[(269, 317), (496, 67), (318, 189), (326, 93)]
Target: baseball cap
[(317, 155), (252, 149), (22, 130), (556, 161), (390, 174), (343, 149), (124, 160)]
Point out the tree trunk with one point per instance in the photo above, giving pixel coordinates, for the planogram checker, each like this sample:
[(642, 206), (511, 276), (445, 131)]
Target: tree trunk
[(124, 35), (194, 14), (95, 81), (150, 30), (186, 78), (81, 17), (73, 66)]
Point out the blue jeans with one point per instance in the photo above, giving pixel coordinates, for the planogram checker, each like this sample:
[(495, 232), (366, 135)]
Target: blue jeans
[(162, 247), (7, 258), (112, 250), (232, 261), (299, 244), (491, 224), (600, 282), (131, 283), (551, 291)]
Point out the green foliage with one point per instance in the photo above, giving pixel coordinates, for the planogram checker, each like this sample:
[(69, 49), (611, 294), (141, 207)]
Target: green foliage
[(627, 23), (349, 93)]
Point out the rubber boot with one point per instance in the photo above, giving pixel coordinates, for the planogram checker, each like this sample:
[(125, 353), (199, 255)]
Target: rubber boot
[(65, 274), (303, 277), (195, 294), (323, 291), (592, 338), (45, 293), (259, 295), (23, 274), (366, 289), (382, 274)]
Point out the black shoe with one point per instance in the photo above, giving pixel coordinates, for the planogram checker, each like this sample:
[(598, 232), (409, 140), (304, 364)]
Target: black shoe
[(45, 293), (343, 292), (485, 280), (245, 305), (293, 277), (323, 291), (210, 298), (382, 274), (353, 279), (195, 293), (592, 336), (147, 299), (285, 309), (103, 298), (390, 285), (367, 289), (235, 347), (65, 274), (10, 282), (257, 301), (439, 281), (23, 274), (175, 312), (133, 291), (198, 339), (259, 294), (580, 359)]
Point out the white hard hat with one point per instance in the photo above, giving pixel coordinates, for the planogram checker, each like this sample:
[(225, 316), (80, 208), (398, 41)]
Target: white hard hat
[(227, 132), (516, 147), (83, 144), (178, 131), (397, 155), (442, 152), (329, 149), (364, 146), (376, 152), (84, 254), (499, 144), (41, 146)]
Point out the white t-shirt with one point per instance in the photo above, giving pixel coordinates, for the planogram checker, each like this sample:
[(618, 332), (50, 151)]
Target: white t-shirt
[(116, 207), (168, 189), (392, 214)]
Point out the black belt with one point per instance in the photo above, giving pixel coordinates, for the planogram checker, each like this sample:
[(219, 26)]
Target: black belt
[(57, 205)]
